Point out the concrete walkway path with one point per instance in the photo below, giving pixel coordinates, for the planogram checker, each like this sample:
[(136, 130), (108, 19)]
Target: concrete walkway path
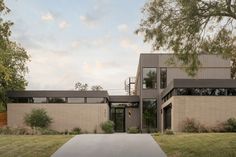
[(110, 145)]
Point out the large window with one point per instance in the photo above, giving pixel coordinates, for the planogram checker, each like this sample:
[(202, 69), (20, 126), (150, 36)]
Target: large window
[(95, 100), (39, 100), (149, 113), (76, 100), (231, 91), (56, 100), (163, 78), (201, 91), (149, 78), (19, 100)]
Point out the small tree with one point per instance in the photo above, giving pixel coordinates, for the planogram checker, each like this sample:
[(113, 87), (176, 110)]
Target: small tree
[(96, 88), (81, 87), (38, 118)]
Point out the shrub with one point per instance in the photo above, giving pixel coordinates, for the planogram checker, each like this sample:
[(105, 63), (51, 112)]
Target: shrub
[(108, 126), (2, 108), (230, 125), (133, 130), (13, 131), (27, 131), (38, 118), (169, 132), (45, 131), (76, 131), (156, 134), (190, 125), (66, 132), (220, 127)]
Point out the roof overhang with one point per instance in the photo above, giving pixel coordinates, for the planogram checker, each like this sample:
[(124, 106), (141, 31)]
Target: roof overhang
[(61, 93), (123, 99), (199, 83)]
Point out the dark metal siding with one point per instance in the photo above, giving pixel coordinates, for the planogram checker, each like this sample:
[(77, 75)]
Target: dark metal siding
[(69, 94)]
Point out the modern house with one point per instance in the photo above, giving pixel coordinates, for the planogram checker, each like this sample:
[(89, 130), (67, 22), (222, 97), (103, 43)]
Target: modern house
[(163, 97)]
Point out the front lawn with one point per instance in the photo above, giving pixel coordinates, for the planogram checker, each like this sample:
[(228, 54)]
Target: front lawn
[(31, 146), (198, 145)]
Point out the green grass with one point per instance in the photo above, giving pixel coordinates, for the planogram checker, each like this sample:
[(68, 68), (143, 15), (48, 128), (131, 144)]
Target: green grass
[(31, 146), (198, 145)]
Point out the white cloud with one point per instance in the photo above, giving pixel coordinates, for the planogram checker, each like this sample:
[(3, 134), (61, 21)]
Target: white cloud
[(47, 17), (92, 43), (129, 44), (63, 24), (89, 20), (123, 28)]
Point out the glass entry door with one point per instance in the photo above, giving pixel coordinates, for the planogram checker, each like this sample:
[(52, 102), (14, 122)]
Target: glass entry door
[(118, 117), (120, 120)]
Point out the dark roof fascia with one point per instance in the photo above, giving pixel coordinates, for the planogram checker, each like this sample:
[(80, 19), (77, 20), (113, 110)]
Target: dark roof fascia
[(123, 98), (199, 83), (61, 93)]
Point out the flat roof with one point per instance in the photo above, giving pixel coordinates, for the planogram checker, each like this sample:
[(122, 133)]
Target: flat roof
[(58, 93), (199, 83), (73, 94), (123, 98)]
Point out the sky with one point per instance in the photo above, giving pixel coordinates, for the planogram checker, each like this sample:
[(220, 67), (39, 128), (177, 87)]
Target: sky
[(71, 41)]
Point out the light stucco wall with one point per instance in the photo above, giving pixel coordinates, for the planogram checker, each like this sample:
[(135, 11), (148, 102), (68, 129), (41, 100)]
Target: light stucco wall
[(208, 110), (65, 116)]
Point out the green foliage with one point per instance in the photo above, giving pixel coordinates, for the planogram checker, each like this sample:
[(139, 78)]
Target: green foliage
[(13, 59), (38, 118), (230, 125), (192, 126), (46, 131), (13, 131), (2, 107), (76, 131), (27, 131), (169, 132), (150, 79), (189, 125), (108, 126), (133, 130), (156, 134), (81, 87), (96, 88), (188, 28)]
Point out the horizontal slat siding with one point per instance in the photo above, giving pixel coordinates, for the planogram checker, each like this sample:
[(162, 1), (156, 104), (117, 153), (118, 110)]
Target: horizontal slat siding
[(3, 119)]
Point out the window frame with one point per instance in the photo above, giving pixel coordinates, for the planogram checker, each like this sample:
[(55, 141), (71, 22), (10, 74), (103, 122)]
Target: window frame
[(142, 79), (156, 108), (163, 87)]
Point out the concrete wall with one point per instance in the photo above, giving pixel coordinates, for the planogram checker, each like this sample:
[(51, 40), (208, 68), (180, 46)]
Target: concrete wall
[(208, 110), (65, 116), (132, 120)]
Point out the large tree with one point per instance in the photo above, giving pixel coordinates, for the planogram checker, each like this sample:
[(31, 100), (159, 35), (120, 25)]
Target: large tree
[(191, 27), (13, 59)]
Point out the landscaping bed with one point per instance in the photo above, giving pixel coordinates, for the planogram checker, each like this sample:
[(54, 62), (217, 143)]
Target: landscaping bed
[(198, 145)]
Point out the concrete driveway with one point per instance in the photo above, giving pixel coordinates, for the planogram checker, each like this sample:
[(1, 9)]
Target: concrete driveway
[(110, 145)]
